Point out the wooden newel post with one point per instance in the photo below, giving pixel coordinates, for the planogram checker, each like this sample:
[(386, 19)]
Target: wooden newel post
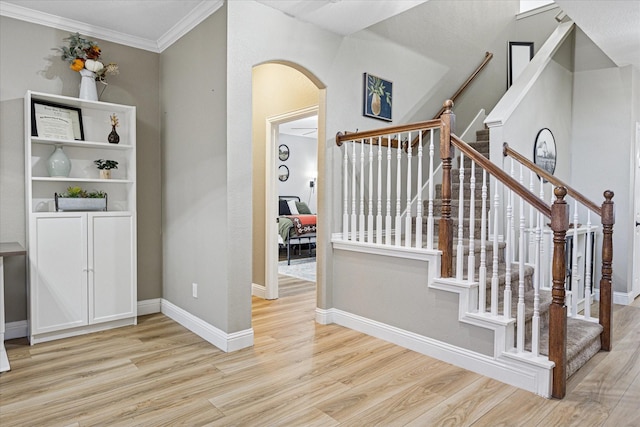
[(558, 309), (606, 295), (445, 229)]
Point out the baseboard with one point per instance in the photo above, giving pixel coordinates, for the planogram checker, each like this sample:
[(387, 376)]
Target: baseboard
[(13, 330), (149, 306), (259, 291), (224, 341), (620, 298), (324, 317), (505, 369)]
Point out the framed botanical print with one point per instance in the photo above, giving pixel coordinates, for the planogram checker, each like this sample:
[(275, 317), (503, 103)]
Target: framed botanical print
[(378, 95)]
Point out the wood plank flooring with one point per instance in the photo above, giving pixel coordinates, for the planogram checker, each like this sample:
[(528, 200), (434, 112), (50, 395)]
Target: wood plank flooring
[(298, 373)]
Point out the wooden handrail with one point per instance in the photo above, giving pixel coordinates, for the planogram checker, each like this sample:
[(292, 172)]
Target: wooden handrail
[(508, 151), (355, 136), (485, 61), (502, 176)]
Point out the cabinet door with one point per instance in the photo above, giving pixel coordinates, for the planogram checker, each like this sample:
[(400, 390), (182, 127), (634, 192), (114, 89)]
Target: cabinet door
[(58, 272), (112, 281)]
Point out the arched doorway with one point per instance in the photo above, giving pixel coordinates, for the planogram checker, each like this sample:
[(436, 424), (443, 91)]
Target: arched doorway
[(281, 92)]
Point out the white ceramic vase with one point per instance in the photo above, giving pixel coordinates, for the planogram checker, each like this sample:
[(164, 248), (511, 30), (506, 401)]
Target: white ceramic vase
[(58, 164), (88, 88)]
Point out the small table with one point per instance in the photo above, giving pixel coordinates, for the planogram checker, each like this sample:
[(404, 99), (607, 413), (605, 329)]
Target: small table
[(6, 249)]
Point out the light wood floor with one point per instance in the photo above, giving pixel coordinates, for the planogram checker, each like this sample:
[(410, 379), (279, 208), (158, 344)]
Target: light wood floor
[(298, 373)]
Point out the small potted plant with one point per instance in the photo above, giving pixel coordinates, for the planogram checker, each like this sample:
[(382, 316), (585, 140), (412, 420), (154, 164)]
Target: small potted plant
[(105, 167), (78, 199)]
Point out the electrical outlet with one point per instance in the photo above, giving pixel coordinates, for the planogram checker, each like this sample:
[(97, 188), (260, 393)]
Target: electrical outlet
[(194, 290)]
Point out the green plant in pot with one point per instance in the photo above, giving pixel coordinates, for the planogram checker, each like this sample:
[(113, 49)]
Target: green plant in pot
[(78, 199), (105, 167)]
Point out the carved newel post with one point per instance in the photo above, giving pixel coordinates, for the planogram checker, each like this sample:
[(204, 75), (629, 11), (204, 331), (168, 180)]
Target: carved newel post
[(445, 229), (558, 309), (606, 295)]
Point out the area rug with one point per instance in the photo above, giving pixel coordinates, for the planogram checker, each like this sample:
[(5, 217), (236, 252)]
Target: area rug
[(304, 268)]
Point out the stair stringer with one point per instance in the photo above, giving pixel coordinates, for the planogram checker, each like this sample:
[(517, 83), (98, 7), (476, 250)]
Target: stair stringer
[(522, 370)]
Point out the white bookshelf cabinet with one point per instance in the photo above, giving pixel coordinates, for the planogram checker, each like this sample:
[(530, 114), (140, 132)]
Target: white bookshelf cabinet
[(82, 265)]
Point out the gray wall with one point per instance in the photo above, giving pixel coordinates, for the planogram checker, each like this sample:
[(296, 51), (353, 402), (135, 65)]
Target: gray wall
[(27, 62), (395, 291), (195, 185)]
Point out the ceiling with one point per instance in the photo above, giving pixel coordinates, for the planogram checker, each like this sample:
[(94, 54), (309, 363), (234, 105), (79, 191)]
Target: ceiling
[(614, 25), (307, 127)]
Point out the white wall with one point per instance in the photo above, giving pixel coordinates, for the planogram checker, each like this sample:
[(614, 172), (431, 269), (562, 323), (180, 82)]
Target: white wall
[(302, 164)]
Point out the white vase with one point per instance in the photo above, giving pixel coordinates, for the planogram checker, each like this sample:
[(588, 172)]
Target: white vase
[(88, 89), (58, 164)]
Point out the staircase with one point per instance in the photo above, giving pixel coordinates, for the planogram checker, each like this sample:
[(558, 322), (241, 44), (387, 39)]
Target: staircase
[(583, 336)]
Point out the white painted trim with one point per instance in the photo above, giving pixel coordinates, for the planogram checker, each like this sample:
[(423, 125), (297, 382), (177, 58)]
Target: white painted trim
[(19, 329), (149, 306), (224, 341), (35, 17), (536, 11), (510, 370), (258, 291), (201, 12), (271, 193), (323, 316), (186, 24), (383, 250), (520, 88), (620, 298)]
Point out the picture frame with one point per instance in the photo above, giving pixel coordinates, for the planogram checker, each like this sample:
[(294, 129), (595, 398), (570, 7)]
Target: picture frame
[(519, 54), (283, 152), (283, 173), (56, 121), (377, 97), (544, 150)]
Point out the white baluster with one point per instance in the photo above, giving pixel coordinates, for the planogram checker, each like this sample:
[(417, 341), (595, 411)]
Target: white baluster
[(370, 204), (575, 280), (345, 195), (587, 274), (460, 246), (430, 211), (419, 194), (398, 223), (508, 251), (535, 323), (361, 210), (354, 217), (521, 320), (387, 222), (482, 272), (471, 267), (495, 281), (379, 205), (407, 220)]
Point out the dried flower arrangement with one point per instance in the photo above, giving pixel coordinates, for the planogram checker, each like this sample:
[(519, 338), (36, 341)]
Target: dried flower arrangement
[(82, 53)]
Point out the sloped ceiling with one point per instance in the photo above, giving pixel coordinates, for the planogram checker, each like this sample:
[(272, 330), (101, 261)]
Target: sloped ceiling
[(613, 25)]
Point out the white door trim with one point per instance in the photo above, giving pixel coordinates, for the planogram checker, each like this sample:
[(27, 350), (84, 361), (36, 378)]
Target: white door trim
[(271, 194), (635, 289)]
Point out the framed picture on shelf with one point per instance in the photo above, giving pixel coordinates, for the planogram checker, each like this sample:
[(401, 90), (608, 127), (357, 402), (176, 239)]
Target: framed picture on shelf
[(377, 96), (56, 121)]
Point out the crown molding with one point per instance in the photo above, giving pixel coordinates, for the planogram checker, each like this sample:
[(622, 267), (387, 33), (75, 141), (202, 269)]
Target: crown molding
[(199, 13), (186, 24)]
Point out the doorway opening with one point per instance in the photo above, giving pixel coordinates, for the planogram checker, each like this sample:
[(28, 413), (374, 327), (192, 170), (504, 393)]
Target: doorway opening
[(285, 97)]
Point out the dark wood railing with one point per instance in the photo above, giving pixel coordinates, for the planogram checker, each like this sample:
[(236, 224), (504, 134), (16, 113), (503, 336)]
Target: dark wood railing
[(556, 313)]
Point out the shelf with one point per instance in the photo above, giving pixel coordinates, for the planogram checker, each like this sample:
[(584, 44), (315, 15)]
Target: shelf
[(83, 144), (72, 179), (82, 103)]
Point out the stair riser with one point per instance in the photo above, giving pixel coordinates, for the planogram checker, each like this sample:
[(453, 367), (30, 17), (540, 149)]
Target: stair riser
[(465, 228)]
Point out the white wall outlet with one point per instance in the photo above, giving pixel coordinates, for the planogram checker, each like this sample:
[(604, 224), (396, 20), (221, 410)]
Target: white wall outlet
[(194, 290)]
